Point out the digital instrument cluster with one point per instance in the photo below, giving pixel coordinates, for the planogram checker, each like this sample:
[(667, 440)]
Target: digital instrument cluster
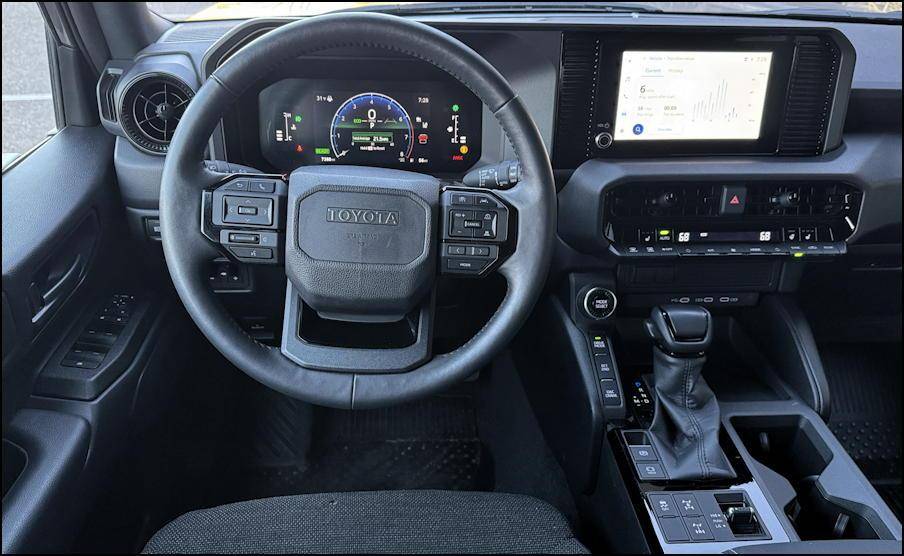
[(422, 126)]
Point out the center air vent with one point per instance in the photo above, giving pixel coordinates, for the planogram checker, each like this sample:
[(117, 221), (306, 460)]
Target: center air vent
[(151, 107)]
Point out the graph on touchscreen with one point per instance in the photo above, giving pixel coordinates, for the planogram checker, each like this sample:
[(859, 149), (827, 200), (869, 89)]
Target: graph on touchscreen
[(715, 105)]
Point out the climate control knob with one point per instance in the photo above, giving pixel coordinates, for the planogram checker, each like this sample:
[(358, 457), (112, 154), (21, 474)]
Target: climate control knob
[(786, 199)]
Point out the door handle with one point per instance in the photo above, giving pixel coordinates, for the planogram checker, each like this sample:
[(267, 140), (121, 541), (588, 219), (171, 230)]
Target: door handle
[(50, 296)]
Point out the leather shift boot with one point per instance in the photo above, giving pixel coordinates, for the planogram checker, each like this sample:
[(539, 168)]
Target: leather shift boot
[(685, 428)]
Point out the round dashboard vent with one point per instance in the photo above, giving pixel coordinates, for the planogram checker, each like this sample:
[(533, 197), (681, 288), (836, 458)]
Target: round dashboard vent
[(152, 105)]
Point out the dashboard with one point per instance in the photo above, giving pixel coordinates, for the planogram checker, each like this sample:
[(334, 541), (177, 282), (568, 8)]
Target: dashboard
[(660, 115)]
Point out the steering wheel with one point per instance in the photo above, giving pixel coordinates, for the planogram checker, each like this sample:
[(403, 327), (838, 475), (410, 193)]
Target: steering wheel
[(359, 244)]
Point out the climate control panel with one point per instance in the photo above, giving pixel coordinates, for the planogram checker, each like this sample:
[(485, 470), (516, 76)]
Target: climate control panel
[(680, 219)]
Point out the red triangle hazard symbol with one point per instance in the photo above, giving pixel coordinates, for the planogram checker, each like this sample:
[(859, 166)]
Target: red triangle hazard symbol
[(734, 201)]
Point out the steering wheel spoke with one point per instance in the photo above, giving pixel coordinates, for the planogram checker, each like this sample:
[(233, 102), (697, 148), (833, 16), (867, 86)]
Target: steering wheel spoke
[(245, 215), (478, 231)]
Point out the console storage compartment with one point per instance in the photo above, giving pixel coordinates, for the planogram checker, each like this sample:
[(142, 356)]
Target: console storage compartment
[(792, 447)]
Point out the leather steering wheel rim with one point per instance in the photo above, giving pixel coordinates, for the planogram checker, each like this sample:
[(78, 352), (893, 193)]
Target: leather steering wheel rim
[(188, 252)]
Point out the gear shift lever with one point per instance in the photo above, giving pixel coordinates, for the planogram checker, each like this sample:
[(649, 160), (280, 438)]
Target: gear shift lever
[(686, 423)]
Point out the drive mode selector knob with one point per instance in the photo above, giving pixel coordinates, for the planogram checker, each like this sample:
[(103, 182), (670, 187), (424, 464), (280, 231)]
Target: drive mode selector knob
[(599, 303)]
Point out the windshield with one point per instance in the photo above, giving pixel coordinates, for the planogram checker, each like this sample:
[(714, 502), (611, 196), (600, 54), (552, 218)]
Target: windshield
[(205, 11)]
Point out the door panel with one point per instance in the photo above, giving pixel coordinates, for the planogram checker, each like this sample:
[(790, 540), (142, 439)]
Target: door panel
[(62, 228)]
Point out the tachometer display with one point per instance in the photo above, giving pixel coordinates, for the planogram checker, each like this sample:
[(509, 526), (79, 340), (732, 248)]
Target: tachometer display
[(421, 125), (371, 126)]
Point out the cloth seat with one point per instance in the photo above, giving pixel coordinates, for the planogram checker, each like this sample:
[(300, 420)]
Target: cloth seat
[(424, 521)]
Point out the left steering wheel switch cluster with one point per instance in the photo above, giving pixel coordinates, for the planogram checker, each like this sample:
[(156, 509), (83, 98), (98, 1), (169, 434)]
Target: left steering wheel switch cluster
[(245, 215)]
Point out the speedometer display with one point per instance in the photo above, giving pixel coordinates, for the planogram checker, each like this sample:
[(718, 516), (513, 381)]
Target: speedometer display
[(424, 126), (372, 126)]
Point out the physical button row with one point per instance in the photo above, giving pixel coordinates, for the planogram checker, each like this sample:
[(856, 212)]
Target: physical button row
[(781, 249), (465, 199), (605, 370), (251, 185), (467, 259)]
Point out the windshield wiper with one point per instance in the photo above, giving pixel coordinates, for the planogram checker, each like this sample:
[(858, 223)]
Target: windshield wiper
[(505, 7)]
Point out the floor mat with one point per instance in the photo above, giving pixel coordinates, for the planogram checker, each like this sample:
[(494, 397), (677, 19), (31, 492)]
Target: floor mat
[(429, 444), (865, 383)]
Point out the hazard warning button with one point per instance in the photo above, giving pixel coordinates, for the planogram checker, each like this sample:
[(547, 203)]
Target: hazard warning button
[(734, 199)]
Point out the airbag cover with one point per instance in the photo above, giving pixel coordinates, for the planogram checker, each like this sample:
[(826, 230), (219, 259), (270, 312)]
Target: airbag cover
[(360, 241), (342, 225)]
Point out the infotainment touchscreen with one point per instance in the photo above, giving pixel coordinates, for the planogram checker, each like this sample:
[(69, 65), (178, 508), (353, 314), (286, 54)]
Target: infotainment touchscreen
[(691, 95)]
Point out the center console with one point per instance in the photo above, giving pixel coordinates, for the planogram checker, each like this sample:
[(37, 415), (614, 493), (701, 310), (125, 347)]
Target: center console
[(683, 437)]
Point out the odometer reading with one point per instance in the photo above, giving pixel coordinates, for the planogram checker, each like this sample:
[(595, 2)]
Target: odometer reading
[(371, 127)]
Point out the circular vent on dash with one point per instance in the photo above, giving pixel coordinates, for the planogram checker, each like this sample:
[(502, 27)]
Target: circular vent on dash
[(152, 106)]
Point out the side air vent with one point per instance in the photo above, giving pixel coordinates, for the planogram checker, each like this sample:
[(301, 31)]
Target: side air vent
[(813, 78), (577, 83), (151, 107)]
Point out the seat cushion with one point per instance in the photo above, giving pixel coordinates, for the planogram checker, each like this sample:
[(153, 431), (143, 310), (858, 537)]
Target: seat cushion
[(423, 521)]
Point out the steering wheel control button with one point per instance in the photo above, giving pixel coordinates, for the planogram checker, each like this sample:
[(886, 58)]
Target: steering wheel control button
[(248, 210), (244, 238), (259, 186), (237, 185), (456, 250), (479, 251), (487, 224), (466, 265), (599, 303), (662, 504), (458, 220), (462, 199), (252, 252)]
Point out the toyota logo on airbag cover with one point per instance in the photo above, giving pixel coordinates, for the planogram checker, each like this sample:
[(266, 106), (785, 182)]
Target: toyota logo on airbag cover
[(362, 216)]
